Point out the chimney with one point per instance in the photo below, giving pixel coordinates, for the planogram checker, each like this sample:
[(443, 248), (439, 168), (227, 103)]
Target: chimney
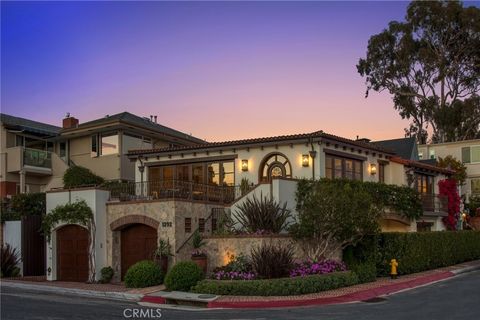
[(69, 122), (155, 117)]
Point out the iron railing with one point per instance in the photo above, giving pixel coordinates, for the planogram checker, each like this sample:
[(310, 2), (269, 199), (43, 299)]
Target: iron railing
[(173, 189), (434, 203), (37, 158)]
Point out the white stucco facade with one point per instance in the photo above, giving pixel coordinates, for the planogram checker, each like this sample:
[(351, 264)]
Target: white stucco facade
[(96, 199)]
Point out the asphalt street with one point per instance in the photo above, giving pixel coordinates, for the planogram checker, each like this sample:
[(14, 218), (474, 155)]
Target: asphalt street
[(457, 298)]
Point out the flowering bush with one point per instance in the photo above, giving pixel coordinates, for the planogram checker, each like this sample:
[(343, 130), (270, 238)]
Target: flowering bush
[(312, 267), (448, 188), (234, 275)]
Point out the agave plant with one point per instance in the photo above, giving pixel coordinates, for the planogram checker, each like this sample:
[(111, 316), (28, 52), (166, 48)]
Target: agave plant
[(263, 214), (272, 261), (9, 258)]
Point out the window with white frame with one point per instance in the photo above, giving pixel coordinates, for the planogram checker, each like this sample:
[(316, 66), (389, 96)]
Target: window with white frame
[(471, 154), (475, 186)]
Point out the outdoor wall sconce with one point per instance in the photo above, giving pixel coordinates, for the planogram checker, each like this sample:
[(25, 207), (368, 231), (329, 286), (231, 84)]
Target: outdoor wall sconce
[(305, 160), (244, 165), (373, 169)]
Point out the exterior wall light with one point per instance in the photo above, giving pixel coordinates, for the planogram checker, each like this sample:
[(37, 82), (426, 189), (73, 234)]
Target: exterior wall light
[(305, 160), (244, 165), (373, 169)]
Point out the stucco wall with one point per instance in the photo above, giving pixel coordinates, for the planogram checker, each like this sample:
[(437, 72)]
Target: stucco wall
[(96, 200), (219, 249)]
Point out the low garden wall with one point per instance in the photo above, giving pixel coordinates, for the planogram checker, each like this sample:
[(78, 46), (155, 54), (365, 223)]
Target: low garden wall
[(219, 249)]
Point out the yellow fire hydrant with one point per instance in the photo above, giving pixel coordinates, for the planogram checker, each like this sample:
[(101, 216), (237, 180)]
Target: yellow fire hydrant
[(393, 271)]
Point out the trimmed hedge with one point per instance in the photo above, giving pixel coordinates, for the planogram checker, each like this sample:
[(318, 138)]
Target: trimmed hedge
[(278, 287), (183, 276), (420, 251), (143, 274), (414, 251)]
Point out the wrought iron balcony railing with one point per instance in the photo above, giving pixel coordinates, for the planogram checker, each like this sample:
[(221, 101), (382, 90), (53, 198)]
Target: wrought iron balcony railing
[(173, 189), (434, 203)]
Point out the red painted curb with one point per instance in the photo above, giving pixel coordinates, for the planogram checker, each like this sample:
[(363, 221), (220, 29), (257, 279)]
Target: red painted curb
[(153, 299), (351, 297)]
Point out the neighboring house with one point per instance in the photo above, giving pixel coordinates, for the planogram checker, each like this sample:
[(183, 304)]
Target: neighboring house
[(423, 175), (101, 145), (467, 152), (35, 155), (181, 189), (28, 162)]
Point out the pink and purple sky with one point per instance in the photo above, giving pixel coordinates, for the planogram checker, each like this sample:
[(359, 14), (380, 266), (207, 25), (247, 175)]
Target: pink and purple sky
[(217, 70)]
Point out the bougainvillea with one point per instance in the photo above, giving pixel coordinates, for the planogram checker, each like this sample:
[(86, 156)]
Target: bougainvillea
[(312, 267), (448, 188)]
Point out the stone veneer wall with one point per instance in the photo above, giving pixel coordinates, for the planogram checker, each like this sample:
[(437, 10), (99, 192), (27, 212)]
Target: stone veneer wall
[(220, 248), (167, 216)]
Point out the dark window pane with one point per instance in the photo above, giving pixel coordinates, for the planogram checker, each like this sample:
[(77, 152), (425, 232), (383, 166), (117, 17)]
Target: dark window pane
[(213, 174), (94, 151), (197, 173), (466, 155), (201, 225), (188, 225)]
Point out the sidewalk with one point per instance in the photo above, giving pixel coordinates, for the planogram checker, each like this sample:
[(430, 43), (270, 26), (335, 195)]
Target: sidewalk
[(361, 292), (112, 291)]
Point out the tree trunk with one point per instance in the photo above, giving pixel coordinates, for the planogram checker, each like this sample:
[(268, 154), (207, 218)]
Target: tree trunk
[(91, 253)]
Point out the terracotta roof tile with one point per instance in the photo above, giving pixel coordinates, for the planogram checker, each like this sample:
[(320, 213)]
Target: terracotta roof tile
[(233, 143)]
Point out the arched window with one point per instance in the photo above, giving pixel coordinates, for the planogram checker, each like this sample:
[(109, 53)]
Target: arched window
[(275, 165)]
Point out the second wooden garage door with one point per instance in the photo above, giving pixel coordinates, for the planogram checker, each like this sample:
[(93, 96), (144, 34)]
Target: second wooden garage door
[(138, 242), (72, 253)]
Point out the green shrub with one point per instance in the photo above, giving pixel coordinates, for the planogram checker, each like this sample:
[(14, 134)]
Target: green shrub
[(278, 287), (183, 276), (77, 176), (272, 261), (415, 251), (9, 259), (263, 214), (420, 251), (106, 274), (366, 272), (143, 274)]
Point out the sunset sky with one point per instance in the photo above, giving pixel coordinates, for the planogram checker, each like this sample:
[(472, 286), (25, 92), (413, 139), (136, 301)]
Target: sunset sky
[(217, 70)]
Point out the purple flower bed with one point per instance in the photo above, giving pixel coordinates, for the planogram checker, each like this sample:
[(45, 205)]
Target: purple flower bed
[(321, 267), (234, 275)]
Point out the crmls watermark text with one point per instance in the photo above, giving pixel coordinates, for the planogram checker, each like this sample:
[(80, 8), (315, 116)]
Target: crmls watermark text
[(137, 313)]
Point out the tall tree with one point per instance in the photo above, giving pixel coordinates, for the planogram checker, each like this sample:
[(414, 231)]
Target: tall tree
[(431, 65)]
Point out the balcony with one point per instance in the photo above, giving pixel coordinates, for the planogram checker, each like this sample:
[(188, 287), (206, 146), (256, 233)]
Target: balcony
[(29, 160), (173, 190), (434, 204)]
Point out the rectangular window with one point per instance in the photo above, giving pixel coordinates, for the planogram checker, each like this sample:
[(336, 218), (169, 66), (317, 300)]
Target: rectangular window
[(338, 167), (109, 144), (432, 154), (475, 154), (466, 154), (197, 173), (228, 173), (201, 225), (188, 225), (381, 172), (424, 183), (63, 150), (475, 186), (94, 150), (213, 174), (19, 141)]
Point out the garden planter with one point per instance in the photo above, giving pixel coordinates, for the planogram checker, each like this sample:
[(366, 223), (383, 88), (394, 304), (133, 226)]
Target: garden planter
[(475, 223), (201, 261)]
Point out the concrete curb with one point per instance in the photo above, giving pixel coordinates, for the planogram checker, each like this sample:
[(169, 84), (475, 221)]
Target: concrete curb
[(466, 269), (80, 292)]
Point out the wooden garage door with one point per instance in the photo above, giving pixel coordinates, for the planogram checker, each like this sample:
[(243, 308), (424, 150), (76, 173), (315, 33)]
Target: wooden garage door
[(72, 253), (138, 242)]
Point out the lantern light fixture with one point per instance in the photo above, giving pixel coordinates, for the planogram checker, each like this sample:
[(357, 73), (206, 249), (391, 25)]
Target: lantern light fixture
[(244, 165), (305, 160)]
